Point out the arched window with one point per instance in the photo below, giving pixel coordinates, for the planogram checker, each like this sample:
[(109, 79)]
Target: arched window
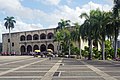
[(50, 46), (29, 37), (29, 48), (43, 48), (50, 36), (36, 47), (35, 37), (22, 49), (42, 36), (22, 38)]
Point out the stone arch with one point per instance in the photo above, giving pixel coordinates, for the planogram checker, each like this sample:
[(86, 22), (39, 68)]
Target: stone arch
[(29, 48), (50, 35), (51, 46), (35, 37), (36, 47), (29, 37), (22, 49), (43, 36), (22, 38), (43, 47)]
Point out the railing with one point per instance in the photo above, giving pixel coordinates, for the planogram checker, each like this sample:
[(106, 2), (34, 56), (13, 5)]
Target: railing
[(41, 40)]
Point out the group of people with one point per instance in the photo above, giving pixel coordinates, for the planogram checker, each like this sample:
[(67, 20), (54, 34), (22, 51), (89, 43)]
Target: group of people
[(43, 54)]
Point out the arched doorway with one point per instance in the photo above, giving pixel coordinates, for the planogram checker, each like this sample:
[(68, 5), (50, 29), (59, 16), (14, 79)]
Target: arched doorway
[(22, 49), (50, 46), (29, 48), (43, 48), (36, 47)]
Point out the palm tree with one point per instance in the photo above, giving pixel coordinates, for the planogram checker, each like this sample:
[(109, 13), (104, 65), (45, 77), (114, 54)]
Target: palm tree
[(86, 30), (75, 34), (59, 38), (113, 26), (9, 24), (101, 18), (61, 26), (116, 28)]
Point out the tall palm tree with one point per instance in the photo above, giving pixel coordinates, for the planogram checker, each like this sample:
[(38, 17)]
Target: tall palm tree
[(61, 26), (116, 28), (75, 34), (101, 18), (9, 24), (87, 31)]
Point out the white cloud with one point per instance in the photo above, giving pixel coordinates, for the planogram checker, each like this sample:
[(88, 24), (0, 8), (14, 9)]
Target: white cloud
[(14, 7), (69, 1), (92, 5), (65, 12), (19, 26), (50, 2), (8, 4), (110, 1)]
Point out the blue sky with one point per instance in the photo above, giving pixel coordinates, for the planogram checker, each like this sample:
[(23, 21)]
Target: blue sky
[(40, 14)]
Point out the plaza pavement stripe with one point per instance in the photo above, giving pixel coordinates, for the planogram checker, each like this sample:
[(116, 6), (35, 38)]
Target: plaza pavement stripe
[(16, 61), (20, 77), (101, 73), (11, 70), (49, 74)]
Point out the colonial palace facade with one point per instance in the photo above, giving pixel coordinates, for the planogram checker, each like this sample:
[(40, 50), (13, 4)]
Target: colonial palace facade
[(29, 41)]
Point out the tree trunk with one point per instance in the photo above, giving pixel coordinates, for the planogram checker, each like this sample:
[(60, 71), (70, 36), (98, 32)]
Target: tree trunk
[(58, 47), (103, 50), (69, 49), (90, 50), (79, 42), (115, 47), (9, 42)]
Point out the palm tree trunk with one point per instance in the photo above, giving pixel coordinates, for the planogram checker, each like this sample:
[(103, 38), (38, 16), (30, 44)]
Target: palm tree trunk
[(58, 47), (90, 50), (69, 49), (115, 54), (79, 42), (103, 50), (10, 42)]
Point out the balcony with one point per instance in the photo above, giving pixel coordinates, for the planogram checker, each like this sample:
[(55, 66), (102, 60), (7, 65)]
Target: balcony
[(35, 41)]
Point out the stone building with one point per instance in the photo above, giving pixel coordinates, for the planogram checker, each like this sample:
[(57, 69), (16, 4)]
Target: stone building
[(29, 41)]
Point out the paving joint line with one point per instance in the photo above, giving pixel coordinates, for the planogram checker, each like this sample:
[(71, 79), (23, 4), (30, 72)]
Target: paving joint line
[(98, 71), (50, 73), (11, 70), (16, 61)]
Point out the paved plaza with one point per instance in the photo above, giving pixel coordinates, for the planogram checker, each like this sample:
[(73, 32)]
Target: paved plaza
[(30, 68)]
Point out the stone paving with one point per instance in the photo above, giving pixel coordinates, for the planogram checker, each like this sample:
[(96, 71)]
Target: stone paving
[(29, 68)]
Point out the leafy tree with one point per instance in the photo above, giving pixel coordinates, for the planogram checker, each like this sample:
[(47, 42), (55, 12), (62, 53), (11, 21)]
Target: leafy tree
[(75, 36), (116, 26), (65, 35), (109, 50), (87, 30), (101, 19)]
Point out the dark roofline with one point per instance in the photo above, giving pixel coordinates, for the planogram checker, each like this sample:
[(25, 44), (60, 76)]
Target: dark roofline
[(35, 30), (29, 31)]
